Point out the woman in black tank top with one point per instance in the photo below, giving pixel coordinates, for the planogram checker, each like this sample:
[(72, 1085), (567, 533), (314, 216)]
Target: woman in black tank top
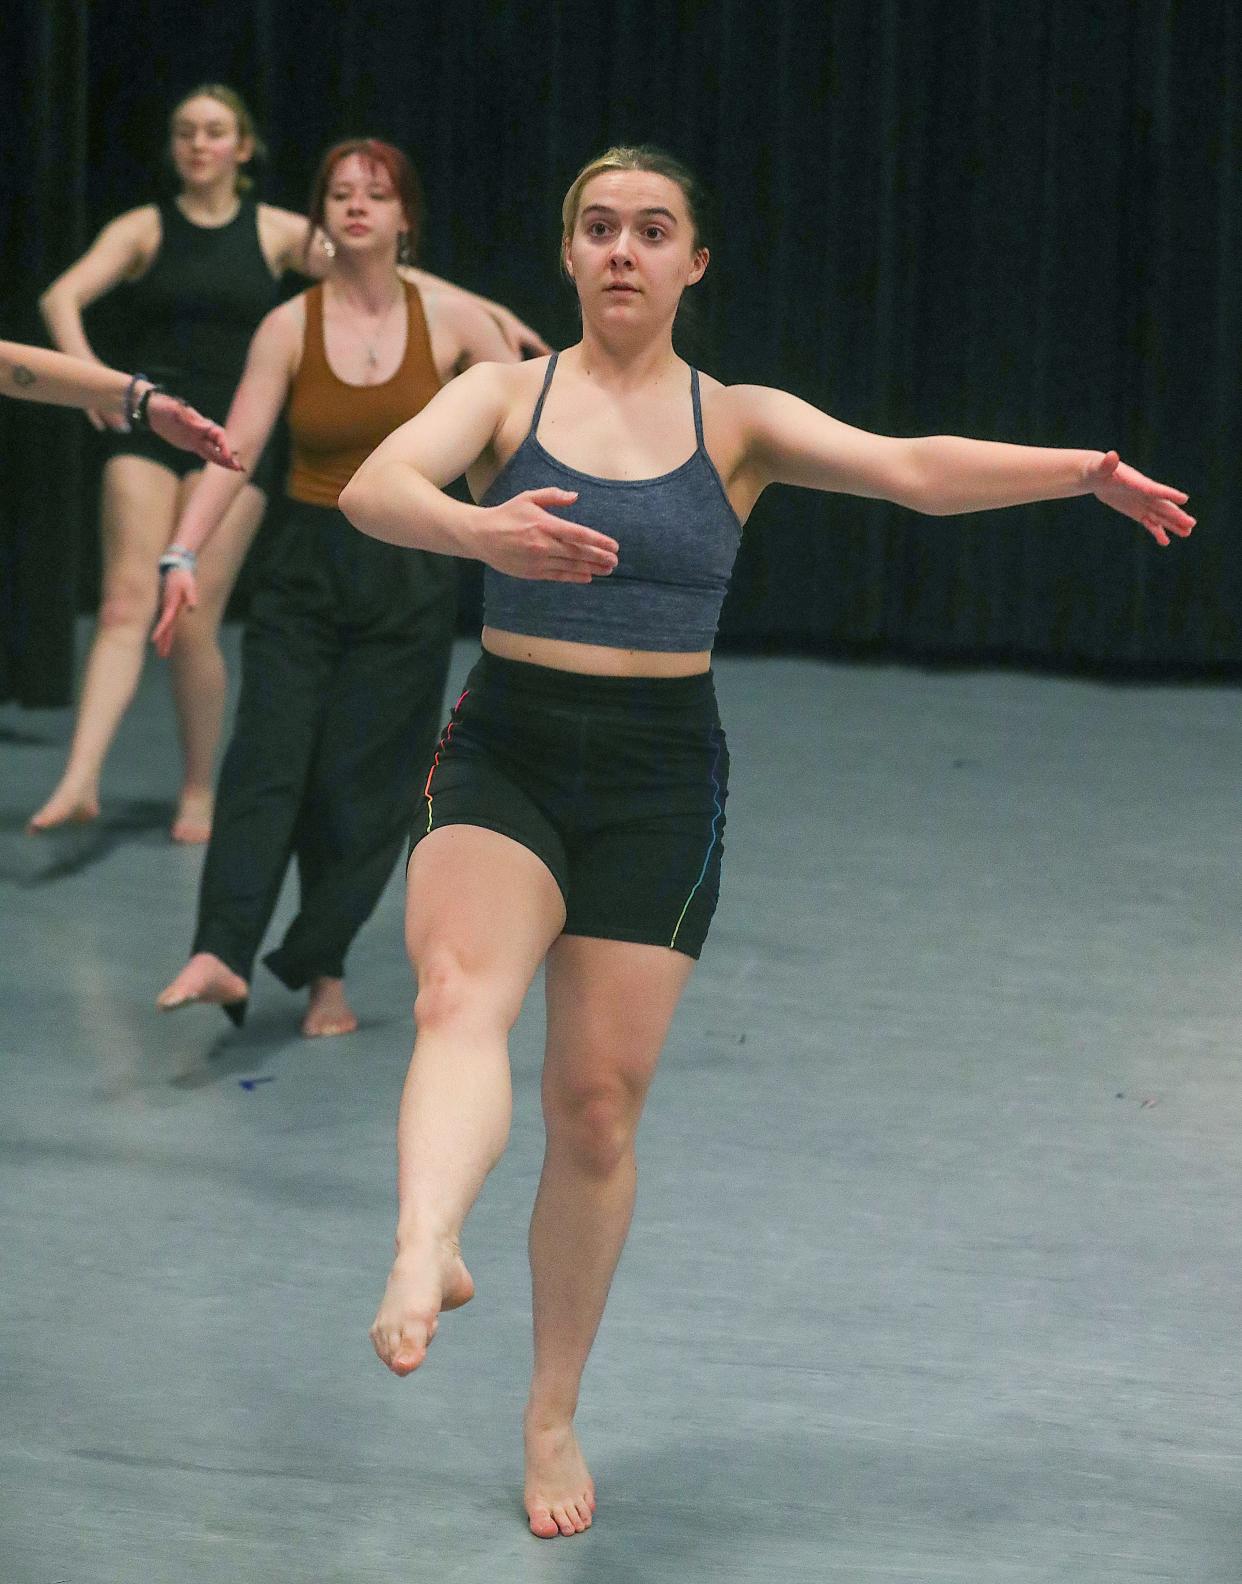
[(201, 270), (572, 817)]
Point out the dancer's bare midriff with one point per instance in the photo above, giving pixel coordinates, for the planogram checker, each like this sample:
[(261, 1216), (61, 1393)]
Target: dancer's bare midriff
[(560, 654)]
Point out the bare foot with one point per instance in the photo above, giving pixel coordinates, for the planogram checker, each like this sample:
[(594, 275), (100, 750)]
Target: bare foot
[(422, 1284), (329, 1012), (193, 822), (66, 806), (560, 1493), (204, 978)]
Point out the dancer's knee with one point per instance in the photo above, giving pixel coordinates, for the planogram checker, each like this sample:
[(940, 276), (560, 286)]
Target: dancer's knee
[(594, 1124), (452, 995), (128, 608)]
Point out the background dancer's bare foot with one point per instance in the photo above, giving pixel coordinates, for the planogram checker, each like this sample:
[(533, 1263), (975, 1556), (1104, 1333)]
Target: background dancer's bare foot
[(66, 806), (193, 822), (560, 1493), (422, 1284), (329, 1012), (204, 979)]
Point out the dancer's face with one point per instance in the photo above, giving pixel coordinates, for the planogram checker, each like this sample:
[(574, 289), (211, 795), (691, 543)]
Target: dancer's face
[(632, 252), (363, 212), (207, 146)]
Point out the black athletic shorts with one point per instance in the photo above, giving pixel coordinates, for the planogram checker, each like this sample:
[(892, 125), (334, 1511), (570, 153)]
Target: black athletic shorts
[(617, 783)]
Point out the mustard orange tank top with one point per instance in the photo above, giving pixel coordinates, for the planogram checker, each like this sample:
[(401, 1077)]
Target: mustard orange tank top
[(334, 426)]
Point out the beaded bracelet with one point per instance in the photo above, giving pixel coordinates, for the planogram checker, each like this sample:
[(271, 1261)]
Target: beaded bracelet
[(136, 415), (141, 418)]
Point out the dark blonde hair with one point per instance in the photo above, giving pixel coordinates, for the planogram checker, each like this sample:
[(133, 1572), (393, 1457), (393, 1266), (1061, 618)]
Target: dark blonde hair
[(638, 157), (232, 100)]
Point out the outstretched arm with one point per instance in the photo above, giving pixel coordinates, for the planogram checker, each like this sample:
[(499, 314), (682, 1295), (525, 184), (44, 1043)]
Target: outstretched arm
[(521, 340), (35, 374), (255, 408), (397, 494), (307, 252), (790, 442), (463, 334)]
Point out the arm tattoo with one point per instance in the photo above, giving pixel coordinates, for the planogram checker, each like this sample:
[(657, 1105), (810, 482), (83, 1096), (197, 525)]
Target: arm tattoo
[(22, 375)]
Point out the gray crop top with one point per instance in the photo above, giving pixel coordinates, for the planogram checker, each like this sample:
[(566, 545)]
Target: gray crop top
[(678, 536)]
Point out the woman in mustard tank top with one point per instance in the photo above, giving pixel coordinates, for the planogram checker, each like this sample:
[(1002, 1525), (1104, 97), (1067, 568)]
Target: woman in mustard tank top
[(347, 641), (575, 813)]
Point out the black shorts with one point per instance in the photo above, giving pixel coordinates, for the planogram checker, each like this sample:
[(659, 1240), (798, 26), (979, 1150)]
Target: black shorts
[(617, 783), (212, 399), (142, 443)]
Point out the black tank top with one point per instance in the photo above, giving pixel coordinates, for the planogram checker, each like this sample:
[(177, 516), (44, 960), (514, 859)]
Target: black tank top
[(196, 308)]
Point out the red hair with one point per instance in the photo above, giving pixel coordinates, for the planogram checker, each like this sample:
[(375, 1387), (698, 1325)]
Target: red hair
[(400, 172)]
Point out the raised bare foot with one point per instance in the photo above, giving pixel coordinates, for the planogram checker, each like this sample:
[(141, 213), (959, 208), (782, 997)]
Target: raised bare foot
[(204, 978), (422, 1284), (329, 1012), (66, 806), (193, 822), (560, 1493)]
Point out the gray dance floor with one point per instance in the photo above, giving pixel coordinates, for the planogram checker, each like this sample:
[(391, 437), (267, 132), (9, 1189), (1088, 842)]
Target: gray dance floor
[(937, 1268)]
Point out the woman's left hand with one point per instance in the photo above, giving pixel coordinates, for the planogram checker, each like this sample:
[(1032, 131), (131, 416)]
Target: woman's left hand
[(178, 592), (1157, 506), (188, 430)]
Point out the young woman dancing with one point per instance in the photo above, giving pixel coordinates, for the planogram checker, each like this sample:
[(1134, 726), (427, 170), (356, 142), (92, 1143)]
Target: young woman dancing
[(203, 269), (346, 648), (574, 813)]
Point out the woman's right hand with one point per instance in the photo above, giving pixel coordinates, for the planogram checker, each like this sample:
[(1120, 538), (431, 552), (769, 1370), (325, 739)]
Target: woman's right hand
[(188, 430), (179, 592), (523, 539)]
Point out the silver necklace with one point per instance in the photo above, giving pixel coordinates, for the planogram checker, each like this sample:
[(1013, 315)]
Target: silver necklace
[(371, 348)]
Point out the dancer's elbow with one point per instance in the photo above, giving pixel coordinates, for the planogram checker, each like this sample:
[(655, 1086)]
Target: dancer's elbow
[(357, 501), (49, 301)]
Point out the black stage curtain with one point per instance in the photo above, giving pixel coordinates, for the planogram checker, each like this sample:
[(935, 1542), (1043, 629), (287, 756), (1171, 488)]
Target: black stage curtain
[(1010, 221), (44, 516)]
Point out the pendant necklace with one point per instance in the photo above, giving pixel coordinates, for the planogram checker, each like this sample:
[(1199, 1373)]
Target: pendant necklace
[(371, 348)]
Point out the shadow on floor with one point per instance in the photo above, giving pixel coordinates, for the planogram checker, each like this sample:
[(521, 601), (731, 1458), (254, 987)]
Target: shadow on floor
[(245, 1053), (15, 737), (28, 861)]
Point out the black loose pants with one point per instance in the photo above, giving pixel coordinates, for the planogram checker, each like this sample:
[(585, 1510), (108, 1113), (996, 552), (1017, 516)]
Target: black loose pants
[(344, 661)]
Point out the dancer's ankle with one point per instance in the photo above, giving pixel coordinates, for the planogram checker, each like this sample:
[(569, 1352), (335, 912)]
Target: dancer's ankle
[(550, 1407)]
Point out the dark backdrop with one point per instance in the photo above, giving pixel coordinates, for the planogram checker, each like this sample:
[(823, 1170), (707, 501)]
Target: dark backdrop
[(1012, 221)]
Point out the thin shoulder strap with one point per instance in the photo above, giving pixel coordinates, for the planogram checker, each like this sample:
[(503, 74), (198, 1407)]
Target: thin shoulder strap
[(543, 394), (698, 408)]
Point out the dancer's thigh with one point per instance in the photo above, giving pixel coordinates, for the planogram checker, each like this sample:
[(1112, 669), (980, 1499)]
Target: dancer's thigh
[(481, 913), (138, 512), (609, 1007)]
